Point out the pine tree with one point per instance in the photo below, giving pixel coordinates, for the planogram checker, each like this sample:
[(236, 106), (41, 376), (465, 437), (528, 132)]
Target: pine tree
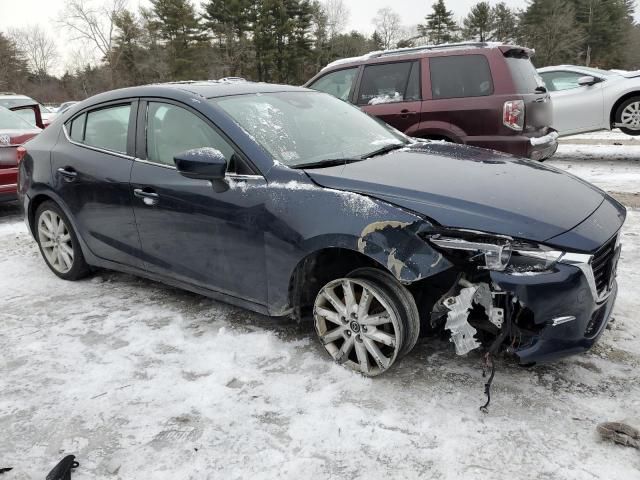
[(376, 41), (549, 26), (441, 26), (182, 32), (505, 23), (13, 67), (229, 23), (606, 25), (478, 25)]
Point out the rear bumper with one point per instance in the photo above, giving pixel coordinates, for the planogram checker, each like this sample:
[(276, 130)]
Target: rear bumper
[(535, 148)]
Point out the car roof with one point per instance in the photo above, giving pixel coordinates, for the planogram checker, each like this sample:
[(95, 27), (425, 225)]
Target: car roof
[(202, 88)]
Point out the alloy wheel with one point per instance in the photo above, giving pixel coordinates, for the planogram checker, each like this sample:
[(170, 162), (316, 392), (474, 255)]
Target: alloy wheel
[(55, 240), (631, 115), (357, 325)]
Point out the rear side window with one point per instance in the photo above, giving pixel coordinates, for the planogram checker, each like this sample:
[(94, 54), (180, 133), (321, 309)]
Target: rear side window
[(460, 76), (524, 74), (77, 128), (338, 83), (390, 82), (108, 128)]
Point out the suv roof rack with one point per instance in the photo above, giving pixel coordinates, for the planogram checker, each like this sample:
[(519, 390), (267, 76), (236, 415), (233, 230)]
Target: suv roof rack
[(410, 50), (421, 48)]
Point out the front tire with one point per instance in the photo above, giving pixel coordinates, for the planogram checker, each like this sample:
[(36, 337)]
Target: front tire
[(58, 242), (359, 324), (628, 113)]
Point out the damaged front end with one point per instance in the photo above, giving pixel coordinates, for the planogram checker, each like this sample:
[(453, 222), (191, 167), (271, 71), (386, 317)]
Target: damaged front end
[(521, 298)]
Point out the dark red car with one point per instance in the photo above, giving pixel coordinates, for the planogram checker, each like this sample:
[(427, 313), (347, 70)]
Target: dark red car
[(15, 129), (483, 94)]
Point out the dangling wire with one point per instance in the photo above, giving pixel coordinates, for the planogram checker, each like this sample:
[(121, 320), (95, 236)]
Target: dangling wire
[(488, 364)]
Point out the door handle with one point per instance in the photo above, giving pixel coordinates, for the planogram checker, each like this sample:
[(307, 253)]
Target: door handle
[(406, 113), (148, 196), (68, 173)]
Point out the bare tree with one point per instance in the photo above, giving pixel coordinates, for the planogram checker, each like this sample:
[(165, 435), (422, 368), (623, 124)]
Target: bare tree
[(94, 22), (389, 27), (337, 16), (38, 49)]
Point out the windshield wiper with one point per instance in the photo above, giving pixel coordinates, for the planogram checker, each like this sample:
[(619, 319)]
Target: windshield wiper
[(383, 150), (330, 162)]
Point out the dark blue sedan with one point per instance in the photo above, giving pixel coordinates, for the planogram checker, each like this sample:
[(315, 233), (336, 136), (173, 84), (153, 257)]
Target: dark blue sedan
[(288, 201)]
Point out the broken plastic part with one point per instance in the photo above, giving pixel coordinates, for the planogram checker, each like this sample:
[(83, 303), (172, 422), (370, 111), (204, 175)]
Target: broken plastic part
[(462, 333), (484, 297)]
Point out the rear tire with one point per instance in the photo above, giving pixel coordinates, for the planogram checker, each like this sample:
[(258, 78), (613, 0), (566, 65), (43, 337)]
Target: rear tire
[(629, 113), (58, 242), (402, 297)]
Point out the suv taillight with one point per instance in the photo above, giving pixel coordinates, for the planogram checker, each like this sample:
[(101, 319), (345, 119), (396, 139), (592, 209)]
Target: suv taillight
[(513, 114), (20, 153)]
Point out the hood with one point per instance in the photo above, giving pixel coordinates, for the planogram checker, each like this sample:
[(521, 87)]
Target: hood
[(472, 188), (633, 74)]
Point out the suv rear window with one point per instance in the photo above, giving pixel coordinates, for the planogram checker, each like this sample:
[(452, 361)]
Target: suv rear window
[(524, 74), (390, 82), (460, 76)]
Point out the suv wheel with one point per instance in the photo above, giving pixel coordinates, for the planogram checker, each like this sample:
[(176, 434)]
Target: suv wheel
[(360, 324), (58, 243), (628, 113)]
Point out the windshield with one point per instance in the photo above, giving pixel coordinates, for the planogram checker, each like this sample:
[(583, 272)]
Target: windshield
[(308, 127), (12, 121)]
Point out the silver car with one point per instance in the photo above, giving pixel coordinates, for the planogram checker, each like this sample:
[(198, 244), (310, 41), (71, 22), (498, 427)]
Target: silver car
[(587, 99)]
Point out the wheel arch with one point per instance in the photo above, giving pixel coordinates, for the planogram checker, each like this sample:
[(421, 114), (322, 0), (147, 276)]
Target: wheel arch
[(618, 102), (320, 266), (44, 195)]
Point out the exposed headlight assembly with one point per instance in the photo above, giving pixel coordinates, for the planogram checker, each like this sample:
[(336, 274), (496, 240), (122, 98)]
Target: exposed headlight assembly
[(497, 252)]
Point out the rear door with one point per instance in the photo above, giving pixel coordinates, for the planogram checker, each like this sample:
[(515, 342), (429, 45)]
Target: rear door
[(462, 87), (392, 92), (91, 172), (576, 108)]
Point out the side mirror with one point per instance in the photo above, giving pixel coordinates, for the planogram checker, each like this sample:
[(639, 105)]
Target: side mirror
[(587, 81), (203, 164)]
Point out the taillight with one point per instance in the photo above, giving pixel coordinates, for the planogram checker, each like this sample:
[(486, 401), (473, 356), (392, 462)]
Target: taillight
[(513, 114), (20, 153)]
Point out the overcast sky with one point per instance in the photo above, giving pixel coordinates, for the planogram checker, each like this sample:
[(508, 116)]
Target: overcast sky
[(21, 13)]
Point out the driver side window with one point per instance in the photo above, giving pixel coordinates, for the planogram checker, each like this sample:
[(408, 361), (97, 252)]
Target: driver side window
[(172, 130), (558, 81)]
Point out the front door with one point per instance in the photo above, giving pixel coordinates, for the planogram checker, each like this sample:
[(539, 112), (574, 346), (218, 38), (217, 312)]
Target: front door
[(91, 167), (576, 108), (189, 231)]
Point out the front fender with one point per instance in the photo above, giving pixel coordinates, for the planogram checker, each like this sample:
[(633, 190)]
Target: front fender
[(335, 219)]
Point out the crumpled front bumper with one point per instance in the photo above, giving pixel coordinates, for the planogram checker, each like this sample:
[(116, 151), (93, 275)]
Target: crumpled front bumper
[(567, 317)]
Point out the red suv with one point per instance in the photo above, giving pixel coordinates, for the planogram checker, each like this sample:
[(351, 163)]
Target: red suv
[(483, 94)]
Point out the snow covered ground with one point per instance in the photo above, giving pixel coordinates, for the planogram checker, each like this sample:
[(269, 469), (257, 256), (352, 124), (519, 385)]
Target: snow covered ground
[(144, 381)]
